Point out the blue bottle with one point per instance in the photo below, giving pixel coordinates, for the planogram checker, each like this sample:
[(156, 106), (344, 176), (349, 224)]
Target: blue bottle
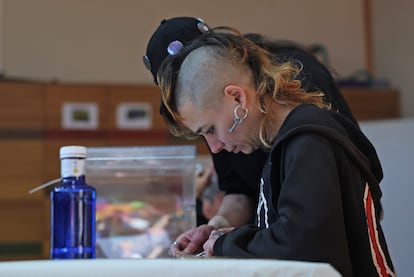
[(72, 209)]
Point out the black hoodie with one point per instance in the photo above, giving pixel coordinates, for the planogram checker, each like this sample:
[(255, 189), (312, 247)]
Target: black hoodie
[(235, 169), (319, 198)]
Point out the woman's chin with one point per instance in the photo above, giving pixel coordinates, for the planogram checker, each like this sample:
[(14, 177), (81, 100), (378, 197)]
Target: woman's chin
[(247, 150)]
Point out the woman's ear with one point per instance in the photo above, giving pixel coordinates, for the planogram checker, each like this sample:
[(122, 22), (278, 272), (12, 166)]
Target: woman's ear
[(236, 93)]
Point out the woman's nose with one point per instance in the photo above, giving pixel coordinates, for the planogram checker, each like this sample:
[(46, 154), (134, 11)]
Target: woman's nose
[(215, 145)]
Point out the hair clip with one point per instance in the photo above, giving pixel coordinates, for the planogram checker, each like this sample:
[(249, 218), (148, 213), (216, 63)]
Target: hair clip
[(174, 47), (299, 64), (147, 62), (202, 27)]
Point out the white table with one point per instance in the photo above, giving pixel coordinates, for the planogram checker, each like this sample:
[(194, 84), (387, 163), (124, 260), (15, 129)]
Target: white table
[(189, 267)]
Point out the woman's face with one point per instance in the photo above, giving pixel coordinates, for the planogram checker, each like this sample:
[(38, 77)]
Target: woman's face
[(214, 123)]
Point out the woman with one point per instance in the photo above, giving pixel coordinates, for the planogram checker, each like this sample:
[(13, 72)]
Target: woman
[(238, 173), (319, 196)]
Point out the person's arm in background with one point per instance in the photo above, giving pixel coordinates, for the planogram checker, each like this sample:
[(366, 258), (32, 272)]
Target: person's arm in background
[(239, 177), (235, 210)]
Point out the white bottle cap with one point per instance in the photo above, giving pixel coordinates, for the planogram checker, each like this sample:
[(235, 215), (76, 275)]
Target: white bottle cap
[(73, 151)]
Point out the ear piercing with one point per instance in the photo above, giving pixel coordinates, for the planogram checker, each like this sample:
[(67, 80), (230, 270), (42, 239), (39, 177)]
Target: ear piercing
[(238, 119)]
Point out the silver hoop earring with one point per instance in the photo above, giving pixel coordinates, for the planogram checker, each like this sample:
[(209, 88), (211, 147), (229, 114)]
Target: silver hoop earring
[(238, 119)]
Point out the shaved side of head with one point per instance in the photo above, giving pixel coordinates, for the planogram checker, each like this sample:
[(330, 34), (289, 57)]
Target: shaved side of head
[(204, 74)]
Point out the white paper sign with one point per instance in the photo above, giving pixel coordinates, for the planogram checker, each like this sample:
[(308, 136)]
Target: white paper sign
[(80, 115), (137, 115)]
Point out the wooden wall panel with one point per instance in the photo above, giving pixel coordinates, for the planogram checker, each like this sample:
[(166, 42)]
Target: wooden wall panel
[(57, 94), (138, 93), (373, 104), (159, 134), (21, 167), (25, 229), (22, 105), (24, 220)]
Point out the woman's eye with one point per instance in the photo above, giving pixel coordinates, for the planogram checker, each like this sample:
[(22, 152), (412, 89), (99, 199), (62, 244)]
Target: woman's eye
[(210, 131)]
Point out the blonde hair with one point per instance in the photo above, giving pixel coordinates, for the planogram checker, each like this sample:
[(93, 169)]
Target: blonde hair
[(212, 58)]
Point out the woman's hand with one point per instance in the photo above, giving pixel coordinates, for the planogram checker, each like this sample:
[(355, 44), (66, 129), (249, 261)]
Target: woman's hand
[(214, 235), (191, 241)]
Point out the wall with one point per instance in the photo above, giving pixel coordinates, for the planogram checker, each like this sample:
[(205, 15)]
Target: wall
[(104, 40), (394, 142), (393, 46)]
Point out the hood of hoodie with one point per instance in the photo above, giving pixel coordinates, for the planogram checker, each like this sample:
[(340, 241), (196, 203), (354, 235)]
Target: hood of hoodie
[(338, 128)]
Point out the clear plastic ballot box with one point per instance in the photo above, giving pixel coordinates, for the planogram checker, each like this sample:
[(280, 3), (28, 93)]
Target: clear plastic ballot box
[(145, 198)]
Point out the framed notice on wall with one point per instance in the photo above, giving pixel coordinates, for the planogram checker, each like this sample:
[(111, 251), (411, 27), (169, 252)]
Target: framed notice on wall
[(79, 115), (134, 115)]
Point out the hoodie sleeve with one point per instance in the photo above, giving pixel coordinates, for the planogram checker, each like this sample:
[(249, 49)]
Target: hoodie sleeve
[(307, 222)]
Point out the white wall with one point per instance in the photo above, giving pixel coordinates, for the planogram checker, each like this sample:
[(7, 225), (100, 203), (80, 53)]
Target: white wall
[(393, 23), (394, 142), (104, 40)]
